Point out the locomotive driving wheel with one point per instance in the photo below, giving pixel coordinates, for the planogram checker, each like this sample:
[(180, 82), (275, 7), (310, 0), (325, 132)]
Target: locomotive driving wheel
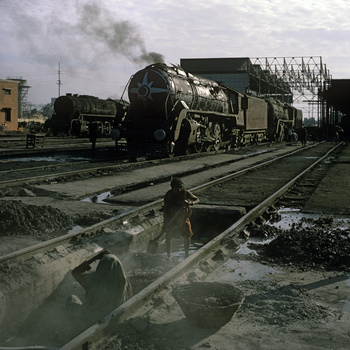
[(197, 147), (208, 146), (182, 149), (107, 128), (217, 136), (187, 150)]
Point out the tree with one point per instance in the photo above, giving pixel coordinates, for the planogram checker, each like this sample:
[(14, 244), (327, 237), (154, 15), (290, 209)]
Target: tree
[(47, 110)]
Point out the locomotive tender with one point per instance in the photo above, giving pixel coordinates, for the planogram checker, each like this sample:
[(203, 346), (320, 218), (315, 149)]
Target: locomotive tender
[(74, 113), (174, 112)]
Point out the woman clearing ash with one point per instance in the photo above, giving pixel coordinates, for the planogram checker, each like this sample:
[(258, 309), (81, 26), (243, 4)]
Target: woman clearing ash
[(177, 214)]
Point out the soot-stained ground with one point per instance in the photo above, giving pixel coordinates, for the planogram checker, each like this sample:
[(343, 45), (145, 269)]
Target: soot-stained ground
[(319, 245), (299, 304)]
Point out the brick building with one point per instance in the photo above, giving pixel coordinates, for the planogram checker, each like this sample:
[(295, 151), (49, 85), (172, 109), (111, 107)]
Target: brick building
[(9, 104)]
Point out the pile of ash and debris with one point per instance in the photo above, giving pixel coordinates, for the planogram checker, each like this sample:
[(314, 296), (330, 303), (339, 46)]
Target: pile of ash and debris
[(311, 243), (17, 218)]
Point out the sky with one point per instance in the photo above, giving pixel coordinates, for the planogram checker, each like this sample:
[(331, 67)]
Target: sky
[(95, 46)]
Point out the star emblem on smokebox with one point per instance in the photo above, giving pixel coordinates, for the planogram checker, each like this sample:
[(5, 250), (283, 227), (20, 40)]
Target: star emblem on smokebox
[(145, 90)]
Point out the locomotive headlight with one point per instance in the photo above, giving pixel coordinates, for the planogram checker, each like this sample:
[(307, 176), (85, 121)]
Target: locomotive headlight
[(159, 134), (143, 91), (115, 134)]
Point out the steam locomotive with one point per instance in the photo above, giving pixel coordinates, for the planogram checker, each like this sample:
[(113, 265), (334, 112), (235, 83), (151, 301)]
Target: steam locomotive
[(74, 113), (173, 112)]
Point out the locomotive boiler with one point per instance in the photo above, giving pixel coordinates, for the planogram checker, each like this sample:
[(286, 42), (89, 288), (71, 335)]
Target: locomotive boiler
[(74, 113), (174, 112)]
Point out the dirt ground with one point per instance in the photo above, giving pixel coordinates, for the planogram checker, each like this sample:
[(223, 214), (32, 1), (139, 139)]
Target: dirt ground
[(297, 288), (294, 299), (277, 313)]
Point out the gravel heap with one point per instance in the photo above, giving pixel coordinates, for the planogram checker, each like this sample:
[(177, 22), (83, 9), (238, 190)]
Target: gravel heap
[(17, 218)]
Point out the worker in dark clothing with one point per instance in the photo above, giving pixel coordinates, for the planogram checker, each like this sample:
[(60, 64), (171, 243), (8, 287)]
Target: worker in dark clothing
[(105, 288), (177, 214), (290, 134), (303, 135), (337, 131)]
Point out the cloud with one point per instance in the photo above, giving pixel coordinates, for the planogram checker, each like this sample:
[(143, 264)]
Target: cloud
[(98, 40)]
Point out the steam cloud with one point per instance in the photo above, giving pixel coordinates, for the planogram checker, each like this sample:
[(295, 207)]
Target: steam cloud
[(94, 38)]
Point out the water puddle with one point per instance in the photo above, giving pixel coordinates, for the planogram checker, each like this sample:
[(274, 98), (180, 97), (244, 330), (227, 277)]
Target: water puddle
[(178, 252), (291, 216), (74, 229), (98, 198)]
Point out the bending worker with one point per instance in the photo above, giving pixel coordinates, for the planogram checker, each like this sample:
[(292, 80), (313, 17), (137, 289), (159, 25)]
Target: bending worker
[(105, 288), (177, 214)]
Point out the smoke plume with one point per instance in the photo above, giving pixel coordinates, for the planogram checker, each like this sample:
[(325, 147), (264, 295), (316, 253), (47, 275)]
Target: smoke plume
[(121, 37), (92, 38)]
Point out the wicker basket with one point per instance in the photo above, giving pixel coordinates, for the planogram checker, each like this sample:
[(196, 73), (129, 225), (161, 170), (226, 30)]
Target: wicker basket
[(208, 304)]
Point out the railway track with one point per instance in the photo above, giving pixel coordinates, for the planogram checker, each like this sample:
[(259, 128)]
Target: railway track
[(64, 158), (201, 263), (145, 210), (17, 143), (74, 246), (54, 168)]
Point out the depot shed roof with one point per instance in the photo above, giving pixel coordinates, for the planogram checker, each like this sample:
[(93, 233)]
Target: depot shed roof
[(338, 95)]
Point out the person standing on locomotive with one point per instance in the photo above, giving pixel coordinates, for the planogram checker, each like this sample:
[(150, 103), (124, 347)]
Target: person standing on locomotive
[(177, 214)]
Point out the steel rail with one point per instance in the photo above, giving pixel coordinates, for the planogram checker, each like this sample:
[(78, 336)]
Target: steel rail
[(54, 176), (97, 228), (43, 167), (14, 151), (31, 179), (36, 178), (91, 337)]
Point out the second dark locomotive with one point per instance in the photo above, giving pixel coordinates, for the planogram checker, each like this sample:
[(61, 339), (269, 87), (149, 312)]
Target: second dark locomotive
[(74, 113), (174, 112)]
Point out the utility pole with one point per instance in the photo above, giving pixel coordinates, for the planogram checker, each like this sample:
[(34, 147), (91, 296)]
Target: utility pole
[(59, 79)]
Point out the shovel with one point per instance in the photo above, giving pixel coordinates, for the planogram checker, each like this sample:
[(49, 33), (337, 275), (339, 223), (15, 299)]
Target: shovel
[(152, 245)]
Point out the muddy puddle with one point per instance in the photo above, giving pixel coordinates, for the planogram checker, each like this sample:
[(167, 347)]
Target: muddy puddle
[(291, 216)]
